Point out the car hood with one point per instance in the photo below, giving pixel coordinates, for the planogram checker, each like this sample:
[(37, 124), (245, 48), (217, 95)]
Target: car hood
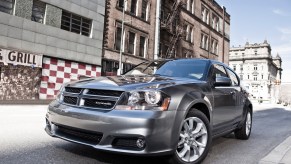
[(126, 83)]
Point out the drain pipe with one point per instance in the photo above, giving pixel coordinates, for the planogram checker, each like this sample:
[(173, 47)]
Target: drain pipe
[(157, 30), (223, 32)]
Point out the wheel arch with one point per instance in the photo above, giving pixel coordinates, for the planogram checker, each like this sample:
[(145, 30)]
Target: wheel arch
[(247, 106), (187, 103), (202, 108)]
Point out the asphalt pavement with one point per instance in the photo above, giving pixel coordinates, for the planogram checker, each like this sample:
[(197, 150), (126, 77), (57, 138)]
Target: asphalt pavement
[(23, 140)]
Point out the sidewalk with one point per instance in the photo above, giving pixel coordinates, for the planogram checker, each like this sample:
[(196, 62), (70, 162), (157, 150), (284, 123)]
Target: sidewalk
[(263, 106), (280, 155)]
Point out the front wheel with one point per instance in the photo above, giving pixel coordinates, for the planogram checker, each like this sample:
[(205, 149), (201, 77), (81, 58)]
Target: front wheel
[(245, 131), (194, 140)]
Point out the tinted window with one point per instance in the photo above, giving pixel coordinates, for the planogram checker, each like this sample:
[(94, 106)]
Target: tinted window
[(194, 69), (219, 71), (233, 77)]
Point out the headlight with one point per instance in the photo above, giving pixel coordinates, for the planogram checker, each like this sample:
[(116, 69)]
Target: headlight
[(153, 97), (144, 100), (133, 98)]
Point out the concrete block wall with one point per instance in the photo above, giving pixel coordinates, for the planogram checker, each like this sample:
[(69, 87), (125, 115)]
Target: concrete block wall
[(20, 33)]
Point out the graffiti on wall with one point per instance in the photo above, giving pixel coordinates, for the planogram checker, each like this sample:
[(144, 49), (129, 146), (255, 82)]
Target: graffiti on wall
[(20, 75)]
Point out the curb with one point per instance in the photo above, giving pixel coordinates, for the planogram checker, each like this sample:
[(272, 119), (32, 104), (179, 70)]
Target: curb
[(25, 102), (278, 154)]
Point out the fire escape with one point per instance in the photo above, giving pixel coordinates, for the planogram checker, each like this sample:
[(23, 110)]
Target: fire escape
[(171, 25)]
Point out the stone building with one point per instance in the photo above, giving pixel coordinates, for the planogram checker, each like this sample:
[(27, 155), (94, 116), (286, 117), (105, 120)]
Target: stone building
[(258, 69), (45, 43), (188, 29)]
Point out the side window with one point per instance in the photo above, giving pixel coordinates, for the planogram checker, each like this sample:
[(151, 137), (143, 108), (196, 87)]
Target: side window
[(219, 71), (233, 77)]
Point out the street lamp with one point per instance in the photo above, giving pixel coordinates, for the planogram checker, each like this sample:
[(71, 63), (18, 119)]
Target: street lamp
[(120, 70)]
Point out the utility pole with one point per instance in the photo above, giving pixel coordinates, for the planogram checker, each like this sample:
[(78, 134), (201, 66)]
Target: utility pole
[(157, 30), (120, 70)]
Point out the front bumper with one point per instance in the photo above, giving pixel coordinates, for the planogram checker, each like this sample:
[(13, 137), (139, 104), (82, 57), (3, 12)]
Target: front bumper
[(154, 127)]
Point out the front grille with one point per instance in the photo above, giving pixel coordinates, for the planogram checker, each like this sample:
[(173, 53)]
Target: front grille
[(104, 93), (73, 90), (125, 143), (91, 98), (95, 103), (79, 134), (70, 100)]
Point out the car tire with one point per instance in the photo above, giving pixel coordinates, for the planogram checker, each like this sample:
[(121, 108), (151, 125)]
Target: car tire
[(197, 145), (244, 132)]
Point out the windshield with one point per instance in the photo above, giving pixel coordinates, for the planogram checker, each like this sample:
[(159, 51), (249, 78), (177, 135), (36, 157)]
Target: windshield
[(194, 69)]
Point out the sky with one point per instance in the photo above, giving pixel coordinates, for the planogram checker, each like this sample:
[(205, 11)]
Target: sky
[(257, 20)]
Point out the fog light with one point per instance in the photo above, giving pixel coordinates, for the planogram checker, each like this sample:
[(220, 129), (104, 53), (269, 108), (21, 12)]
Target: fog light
[(140, 143)]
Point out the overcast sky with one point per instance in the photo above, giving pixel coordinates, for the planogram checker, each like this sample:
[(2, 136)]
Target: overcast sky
[(257, 20)]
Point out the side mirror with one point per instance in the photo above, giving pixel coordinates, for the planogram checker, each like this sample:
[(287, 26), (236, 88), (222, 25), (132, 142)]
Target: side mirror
[(222, 82)]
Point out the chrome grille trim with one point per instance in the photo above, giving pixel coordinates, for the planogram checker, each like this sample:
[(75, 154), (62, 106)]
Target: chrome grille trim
[(102, 93), (90, 101)]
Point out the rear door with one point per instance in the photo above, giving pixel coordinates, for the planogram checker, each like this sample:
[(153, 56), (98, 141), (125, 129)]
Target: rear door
[(237, 94)]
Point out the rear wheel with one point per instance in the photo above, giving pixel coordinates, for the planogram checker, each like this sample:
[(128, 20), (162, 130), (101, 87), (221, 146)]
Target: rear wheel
[(245, 131), (194, 140)]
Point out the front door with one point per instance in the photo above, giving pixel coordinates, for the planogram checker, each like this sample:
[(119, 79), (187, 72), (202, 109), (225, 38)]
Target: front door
[(224, 103)]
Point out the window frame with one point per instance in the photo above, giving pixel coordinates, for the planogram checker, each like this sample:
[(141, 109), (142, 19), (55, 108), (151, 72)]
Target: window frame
[(134, 7), (144, 46), (38, 4), (117, 38), (205, 14), (144, 9), (133, 43), (69, 22), (204, 43), (119, 4), (12, 10), (229, 72), (214, 46), (191, 6), (215, 67)]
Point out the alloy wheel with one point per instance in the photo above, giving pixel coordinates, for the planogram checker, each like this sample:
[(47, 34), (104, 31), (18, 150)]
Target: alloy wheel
[(193, 139)]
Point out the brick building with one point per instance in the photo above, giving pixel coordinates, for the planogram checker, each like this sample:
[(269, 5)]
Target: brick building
[(45, 43), (189, 28), (201, 26), (139, 30)]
